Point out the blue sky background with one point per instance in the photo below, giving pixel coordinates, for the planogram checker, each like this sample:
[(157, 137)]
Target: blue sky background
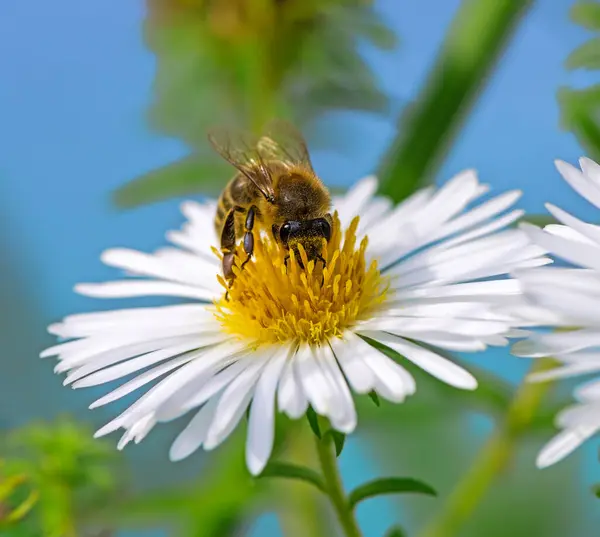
[(75, 82)]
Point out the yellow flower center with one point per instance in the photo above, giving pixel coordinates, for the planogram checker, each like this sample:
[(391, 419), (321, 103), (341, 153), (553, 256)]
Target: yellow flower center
[(270, 302)]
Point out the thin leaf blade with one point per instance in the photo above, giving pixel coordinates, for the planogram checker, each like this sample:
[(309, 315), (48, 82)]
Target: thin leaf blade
[(586, 56), (190, 175), (586, 14), (293, 471), (389, 485)]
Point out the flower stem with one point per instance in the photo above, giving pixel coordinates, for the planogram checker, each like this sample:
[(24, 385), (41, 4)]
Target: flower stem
[(492, 459), (475, 41), (335, 490)]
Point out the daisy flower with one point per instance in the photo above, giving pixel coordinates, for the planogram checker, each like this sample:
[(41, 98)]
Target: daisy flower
[(568, 298), (422, 275)]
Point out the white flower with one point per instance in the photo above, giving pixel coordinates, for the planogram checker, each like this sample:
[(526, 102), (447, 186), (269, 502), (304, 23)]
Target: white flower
[(568, 297), (430, 273)]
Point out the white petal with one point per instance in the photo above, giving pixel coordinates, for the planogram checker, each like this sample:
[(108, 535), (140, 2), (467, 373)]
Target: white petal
[(590, 231), (216, 383), (194, 434), (585, 255), (429, 361), (193, 371), (539, 345), (261, 425), (194, 272), (564, 443), (392, 381), (580, 183), (141, 362), (234, 401), (290, 396), (359, 374), (590, 169), (351, 204), (344, 417), (311, 378), (132, 288), (566, 232), (141, 380)]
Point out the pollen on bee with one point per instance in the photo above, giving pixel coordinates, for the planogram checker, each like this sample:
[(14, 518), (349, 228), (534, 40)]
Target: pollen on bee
[(272, 300)]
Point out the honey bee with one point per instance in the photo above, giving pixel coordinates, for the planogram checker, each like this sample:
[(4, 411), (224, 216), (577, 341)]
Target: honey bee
[(275, 189)]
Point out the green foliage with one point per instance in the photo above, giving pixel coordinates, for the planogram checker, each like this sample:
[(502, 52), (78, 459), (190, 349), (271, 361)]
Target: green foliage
[(587, 14), (293, 471), (215, 505), (177, 179), (313, 421), (64, 476), (389, 485), (240, 62), (427, 128), (375, 398), (395, 531), (580, 108), (339, 439), (540, 220)]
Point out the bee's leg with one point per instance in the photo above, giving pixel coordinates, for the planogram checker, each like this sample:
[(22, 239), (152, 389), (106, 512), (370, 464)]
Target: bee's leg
[(249, 236), (228, 245)]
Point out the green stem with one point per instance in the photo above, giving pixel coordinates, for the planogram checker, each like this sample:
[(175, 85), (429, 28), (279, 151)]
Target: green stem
[(492, 459), (477, 37), (304, 510), (335, 490)]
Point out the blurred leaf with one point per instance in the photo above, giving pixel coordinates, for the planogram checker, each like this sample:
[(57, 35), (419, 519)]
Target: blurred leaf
[(540, 220), (191, 175), (587, 56), (66, 472), (476, 40), (313, 421), (395, 531), (293, 471), (212, 507), (339, 439), (586, 14), (580, 109), (375, 398), (389, 485), (580, 113), (239, 63)]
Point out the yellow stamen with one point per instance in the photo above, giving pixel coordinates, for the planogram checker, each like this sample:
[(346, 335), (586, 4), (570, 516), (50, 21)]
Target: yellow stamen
[(271, 303)]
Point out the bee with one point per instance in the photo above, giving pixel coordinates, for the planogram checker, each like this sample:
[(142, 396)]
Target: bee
[(275, 189)]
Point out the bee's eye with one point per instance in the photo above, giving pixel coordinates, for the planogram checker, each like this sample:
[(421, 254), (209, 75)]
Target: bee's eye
[(324, 227), (284, 232)]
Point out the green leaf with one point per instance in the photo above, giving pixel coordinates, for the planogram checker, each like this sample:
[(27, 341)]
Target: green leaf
[(476, 40), (313, 421), (539, 220), (395, 531), (596, 491), (293, 471), (389, 485), (580, 113), (375, 398), (339, 440), (587, 56), (586, 14), (190, 175)]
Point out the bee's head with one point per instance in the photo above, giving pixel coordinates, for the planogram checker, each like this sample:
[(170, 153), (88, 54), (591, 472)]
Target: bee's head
[(308, 233)]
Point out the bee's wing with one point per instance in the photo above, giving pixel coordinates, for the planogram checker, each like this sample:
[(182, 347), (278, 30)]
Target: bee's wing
[(283, 142), (241, 150)]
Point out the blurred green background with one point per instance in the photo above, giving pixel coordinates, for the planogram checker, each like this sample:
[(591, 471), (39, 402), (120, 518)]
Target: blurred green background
[(105, 106)]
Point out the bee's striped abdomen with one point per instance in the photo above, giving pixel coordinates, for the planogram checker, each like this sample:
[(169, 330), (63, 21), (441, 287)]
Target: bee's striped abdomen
[(239, 192)]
